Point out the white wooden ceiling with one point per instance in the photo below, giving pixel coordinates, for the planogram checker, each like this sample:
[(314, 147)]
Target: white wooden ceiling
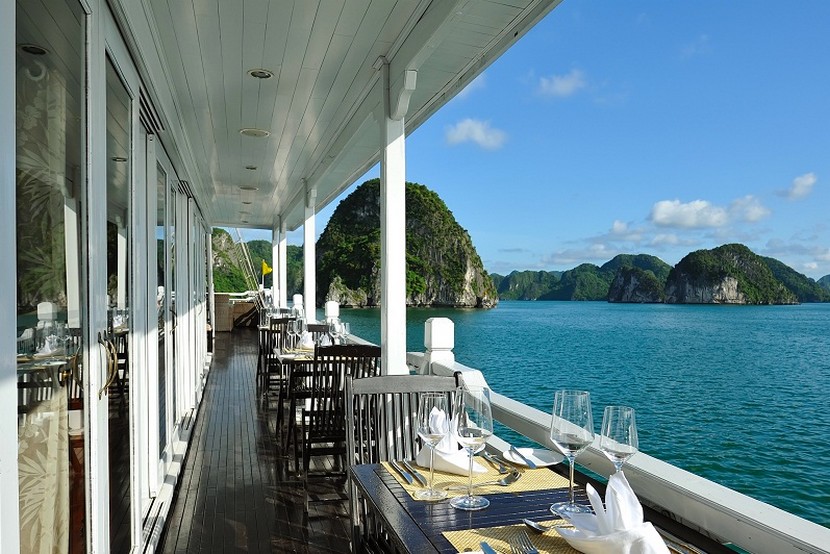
[(320, 105)]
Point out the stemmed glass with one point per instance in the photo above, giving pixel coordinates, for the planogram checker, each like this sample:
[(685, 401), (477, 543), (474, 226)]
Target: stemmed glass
[(433, 426), (299, 330), (290, 330), (473, 426), (618, 438), (571, 431), (335, 330)]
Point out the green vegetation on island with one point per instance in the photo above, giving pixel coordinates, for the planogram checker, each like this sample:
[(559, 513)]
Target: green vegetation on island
[(442, 265), (731, 273)]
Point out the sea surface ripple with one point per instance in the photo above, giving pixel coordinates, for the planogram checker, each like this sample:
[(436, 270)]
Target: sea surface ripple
[(736, 394)]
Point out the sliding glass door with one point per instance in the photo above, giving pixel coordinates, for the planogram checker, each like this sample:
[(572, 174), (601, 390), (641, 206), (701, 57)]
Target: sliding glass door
[(51, 298)]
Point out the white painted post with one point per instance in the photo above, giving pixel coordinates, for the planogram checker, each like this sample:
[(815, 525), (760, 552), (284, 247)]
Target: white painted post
[(282, 246), (393, 226), (309, 255), (439, 340), (275, 263)]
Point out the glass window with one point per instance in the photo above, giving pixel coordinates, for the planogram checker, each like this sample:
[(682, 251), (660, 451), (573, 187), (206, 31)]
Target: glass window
[(50, 83)]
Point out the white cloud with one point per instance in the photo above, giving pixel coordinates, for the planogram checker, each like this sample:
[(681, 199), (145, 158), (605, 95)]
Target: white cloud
[(802, 186), (574, 256), (748, 209), (696, 214), (700, 45), (479, 132), (619, 227), (476, 84), (702, 214), (823, 254), (665, 239), (810, 266), (563, 85)]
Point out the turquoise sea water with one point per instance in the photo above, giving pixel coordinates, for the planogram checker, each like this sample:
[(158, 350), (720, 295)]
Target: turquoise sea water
[(737, 394)]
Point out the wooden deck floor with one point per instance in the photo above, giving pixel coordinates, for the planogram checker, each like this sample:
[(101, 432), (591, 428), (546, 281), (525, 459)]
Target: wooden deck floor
[(239, 491)]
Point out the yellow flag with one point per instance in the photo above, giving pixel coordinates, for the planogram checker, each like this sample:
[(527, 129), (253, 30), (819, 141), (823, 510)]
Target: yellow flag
[(265, 269)]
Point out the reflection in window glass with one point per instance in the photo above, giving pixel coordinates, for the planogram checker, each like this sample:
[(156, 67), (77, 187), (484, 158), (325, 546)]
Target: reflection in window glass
[(50, 242)]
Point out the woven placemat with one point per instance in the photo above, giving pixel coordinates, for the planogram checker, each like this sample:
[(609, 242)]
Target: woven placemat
[(531, 480), (499, 538)]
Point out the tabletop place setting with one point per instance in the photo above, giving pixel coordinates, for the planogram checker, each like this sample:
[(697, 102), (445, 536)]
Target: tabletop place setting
[(453, 442)]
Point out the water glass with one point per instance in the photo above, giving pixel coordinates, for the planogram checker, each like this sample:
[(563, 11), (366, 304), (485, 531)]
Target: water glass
[(571, 431), (473, 426), (618, 437), (433, 426)]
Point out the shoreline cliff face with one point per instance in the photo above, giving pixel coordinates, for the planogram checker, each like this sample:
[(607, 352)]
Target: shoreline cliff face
[(729, 274), (637, 286), (442, 265)]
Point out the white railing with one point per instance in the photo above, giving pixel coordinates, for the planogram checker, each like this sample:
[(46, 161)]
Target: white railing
[(717, 511)]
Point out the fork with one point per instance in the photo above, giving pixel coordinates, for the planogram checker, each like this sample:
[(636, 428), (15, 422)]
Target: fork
[(521, 544)]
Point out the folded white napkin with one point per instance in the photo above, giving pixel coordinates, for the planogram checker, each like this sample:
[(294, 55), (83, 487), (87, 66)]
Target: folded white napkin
[(448, 457), (616, 528), (307, 343)]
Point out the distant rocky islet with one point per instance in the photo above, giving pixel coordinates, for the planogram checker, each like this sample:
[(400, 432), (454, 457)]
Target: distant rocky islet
[(728, 274)]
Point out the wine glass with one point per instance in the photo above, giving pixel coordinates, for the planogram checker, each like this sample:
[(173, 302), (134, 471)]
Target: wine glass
[(432, 428), (571, 431), (299, 330), (335, 330), (473, 426), (290, 331), (618, 438), (345, 331)]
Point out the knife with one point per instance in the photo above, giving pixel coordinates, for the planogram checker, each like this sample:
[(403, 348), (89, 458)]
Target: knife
[(486, 548), (529, 463), (401, 471), (415, 473)]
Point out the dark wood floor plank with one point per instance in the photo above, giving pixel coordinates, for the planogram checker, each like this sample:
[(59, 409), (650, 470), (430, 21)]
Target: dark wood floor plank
[(238, 491)]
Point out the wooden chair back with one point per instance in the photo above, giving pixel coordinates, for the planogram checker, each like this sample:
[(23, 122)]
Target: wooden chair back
[(324, 422), (382, 425)]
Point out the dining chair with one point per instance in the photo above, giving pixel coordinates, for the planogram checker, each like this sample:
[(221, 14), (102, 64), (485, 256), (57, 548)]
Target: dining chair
[(323, 419), (274, 372), (318, 331), (381, 425)]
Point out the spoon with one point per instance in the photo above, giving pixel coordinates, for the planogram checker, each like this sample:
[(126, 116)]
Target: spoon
[(508, 479)]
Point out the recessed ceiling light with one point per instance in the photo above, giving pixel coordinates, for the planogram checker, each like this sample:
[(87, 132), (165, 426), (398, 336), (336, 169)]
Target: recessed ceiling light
[(119, 159), (33, 49), (247, 203), (243, 212), (260, 73), (248, 187), (250, 167), (256, 133)]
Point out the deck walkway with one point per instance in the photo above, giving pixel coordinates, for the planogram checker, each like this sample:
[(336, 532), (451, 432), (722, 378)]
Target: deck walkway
[(238, 491)]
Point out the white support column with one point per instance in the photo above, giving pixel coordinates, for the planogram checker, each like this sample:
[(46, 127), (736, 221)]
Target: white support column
[(275, 263), (309, 255), (9, 499), (393, 224), (282, 246)]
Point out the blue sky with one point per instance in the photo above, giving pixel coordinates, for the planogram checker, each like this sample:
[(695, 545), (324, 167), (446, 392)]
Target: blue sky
[(641, 127)]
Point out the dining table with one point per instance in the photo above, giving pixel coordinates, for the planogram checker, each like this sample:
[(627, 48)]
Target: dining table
[(414, 526)]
